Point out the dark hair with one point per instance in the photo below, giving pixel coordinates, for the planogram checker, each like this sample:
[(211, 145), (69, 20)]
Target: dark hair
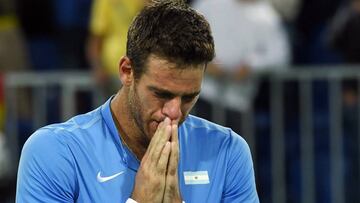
[(169, 29)]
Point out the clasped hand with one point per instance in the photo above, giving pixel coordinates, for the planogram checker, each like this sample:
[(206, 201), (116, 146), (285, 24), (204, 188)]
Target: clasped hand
[(157, 178)]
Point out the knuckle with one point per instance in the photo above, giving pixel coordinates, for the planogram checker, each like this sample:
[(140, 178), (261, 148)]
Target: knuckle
[(172, 172)]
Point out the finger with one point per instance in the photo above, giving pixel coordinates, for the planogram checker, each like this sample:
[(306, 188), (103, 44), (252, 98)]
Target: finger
[(174, 148), (156, 136), (173, 160), (164, 158), (159, 134), (147, 156), (163, 137), (159, 146), (174, 133), (172, 190), (153, 141), (174, 154)]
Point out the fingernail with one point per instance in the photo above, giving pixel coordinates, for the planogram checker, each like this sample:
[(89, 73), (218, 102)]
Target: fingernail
[(167, 120)]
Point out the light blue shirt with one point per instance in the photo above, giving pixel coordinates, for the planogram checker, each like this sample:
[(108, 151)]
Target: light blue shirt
[(83, 160)]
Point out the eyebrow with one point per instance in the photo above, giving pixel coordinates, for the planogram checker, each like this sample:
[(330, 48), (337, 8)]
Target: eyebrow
[(166, 92)]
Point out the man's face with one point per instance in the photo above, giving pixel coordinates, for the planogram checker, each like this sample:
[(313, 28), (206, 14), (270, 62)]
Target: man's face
[(163, 91)]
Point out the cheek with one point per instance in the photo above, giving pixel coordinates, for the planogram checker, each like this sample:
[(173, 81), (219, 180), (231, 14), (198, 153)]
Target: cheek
[(152, 107), (187, 107)]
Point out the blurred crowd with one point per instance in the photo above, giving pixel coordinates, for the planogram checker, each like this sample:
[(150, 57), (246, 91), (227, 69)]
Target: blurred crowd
[(251, 36), (43, 35)]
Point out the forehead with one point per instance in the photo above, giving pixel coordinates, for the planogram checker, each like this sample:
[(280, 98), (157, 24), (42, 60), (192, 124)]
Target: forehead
[(169, 76)]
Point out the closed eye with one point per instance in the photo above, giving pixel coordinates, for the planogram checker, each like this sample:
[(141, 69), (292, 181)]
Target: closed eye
[(189, 98), (163, 95), (167, 95)]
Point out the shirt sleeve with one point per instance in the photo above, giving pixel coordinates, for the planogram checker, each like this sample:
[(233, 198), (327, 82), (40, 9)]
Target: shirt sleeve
[(46, 170), (240, 180)]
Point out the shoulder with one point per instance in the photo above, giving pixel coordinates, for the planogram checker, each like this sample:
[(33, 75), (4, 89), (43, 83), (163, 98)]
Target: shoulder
[(197, 130), (56, 137), (47, 164), (196, 123), (205, 140), (46, 168), (73, 128), (41, 141), (208, 128), (44, 150)]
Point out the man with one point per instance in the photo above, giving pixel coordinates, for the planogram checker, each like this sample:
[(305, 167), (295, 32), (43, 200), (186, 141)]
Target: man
[(250, 39), (109, 22), (142, 145)]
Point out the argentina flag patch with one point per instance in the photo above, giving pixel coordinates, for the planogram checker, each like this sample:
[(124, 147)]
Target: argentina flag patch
[(196, 177)]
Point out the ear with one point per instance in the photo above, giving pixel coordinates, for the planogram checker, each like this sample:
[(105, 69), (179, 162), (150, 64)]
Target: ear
[(125, 70)]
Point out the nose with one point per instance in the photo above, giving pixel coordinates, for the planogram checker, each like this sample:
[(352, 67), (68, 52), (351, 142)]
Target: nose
[(172, 109)]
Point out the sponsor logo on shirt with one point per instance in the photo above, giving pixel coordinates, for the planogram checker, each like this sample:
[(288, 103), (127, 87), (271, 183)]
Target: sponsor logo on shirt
[(102, 179)]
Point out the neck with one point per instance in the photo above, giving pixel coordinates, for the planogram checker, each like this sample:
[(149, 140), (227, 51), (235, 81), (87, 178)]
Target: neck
[(129, 133)]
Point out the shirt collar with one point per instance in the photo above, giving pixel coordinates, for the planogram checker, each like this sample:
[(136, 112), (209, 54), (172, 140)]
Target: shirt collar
[(127, 156)]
